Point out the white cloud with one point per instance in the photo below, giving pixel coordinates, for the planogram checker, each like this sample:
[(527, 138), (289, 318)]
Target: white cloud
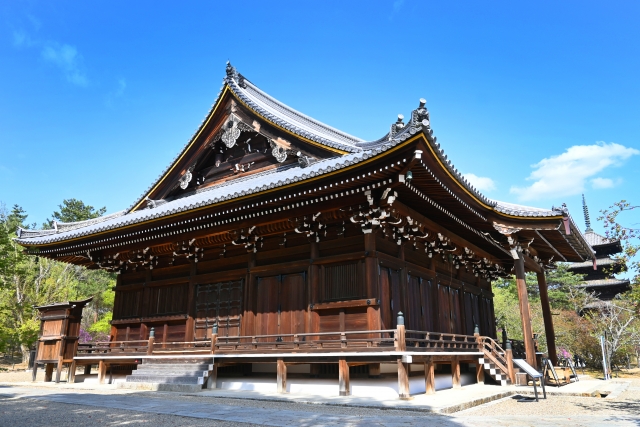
[(68, 59), (567, 173), (22, 39), (481, 183), (599, 183)]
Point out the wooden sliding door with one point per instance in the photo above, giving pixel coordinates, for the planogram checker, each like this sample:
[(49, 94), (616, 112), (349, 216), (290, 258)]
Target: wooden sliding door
[(280, 305)]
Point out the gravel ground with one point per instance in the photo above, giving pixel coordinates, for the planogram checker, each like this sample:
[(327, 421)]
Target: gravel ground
[(31, 412), (627, 403), (289, 406), (28, 412), (20, 376)]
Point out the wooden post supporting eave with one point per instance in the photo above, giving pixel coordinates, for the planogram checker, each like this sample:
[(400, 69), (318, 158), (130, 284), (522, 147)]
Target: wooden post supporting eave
[(281, 376), (523, 299), (343, 369), (548, 320)]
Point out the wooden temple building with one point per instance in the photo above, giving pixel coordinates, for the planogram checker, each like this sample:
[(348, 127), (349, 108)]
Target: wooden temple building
[(273, 238), (601, 281)]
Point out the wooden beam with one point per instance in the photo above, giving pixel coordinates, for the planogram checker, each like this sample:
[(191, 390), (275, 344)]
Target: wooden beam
[(523, 299), (343, 369), (429, 376), (548, 320), (530, 264), (281, 376)]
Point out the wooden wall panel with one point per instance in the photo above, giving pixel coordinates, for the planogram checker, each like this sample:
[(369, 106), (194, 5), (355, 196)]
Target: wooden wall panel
[(266, 322), (456, 317), (444, 309), (329, 321), (293, 304), (355, 319), (128, 304), (166, 300), (391, 298)]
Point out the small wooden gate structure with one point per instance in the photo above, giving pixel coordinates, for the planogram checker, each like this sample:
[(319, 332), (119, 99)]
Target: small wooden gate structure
[(59, 334)]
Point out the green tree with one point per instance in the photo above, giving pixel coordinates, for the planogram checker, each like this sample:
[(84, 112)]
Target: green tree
[(27, 281), (73, 210)]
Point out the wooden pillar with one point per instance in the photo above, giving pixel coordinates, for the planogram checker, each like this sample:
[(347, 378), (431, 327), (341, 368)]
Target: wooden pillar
[(455, 372), (548, 320), (523, 299), (212, 379), (403, 380), (72, 372), (59, 366), (343, 370), (282, 376), (102, 372), (151, 343), (374, 370), (508, 354), (48, 372), (87, 369), (34, 371), (479, 373), (429, 377), (314, 370)]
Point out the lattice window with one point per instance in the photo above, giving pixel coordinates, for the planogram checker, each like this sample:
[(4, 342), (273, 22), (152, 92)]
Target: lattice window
[(343, 282), (221, 304)]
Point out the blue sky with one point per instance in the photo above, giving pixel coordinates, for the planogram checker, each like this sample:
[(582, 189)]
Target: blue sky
[(537, 102)]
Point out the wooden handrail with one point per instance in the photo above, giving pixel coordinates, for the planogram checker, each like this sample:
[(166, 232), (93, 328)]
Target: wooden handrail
[(495, 353)]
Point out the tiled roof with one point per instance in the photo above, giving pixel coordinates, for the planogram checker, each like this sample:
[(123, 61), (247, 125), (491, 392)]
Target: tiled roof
[(600, 261), (299, 124), (209, 196), (520, 210), (595, 239), (605, 282), (290, 119)]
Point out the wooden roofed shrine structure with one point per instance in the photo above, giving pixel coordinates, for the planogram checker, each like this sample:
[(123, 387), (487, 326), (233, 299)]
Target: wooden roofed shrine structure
[(272, 237)]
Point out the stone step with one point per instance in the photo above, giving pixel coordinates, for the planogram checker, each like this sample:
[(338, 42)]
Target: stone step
[(166, 379), (171, 372), (181, 388), (177, 361), (177, 366)]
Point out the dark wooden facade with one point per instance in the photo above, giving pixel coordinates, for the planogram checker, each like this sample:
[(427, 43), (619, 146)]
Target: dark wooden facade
[(350, 283)]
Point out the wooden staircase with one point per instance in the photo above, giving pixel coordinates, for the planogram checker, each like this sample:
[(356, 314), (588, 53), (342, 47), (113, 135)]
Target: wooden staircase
[(494, 361)]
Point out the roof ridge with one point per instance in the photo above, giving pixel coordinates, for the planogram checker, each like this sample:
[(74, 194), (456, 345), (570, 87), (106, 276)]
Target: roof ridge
[(300, 114)]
